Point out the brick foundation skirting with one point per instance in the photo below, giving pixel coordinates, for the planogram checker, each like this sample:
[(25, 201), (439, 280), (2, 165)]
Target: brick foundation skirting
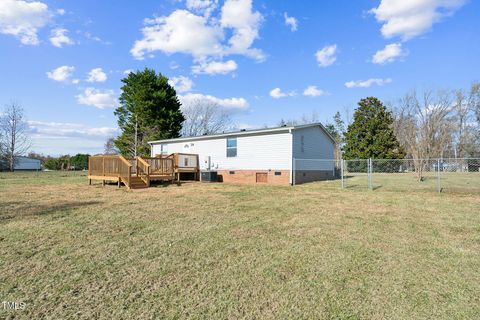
[(277, 177)]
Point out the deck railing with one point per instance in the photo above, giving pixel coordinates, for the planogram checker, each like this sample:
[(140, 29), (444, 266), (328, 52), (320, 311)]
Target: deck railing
[(110, 167), (186, 161), (143, 170), (125, 172), (162, 166), (147, 168)]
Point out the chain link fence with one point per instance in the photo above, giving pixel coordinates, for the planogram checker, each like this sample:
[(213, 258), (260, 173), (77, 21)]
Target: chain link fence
[(440, 175)]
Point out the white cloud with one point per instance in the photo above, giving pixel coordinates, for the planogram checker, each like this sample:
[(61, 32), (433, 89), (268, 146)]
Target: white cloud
[(96, 75), (23, 19), (238, 15), (231, 104), (55, 138), (201, 36), (327, 55), (367, 83), (62, 74), (97, 98), (291, 22), (215, 67), (204, 7), (58, 37), (277, 93), (59, 129), (127, 72), (409, 19), (389, 54), (313, 91), (182, 32), (61, 12), (181, 84), (92, 37)]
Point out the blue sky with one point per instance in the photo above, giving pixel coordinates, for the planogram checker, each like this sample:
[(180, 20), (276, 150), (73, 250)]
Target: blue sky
[(260, 60)]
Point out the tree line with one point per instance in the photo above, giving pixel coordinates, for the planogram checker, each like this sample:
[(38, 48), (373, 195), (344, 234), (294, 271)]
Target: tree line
[(419, 126), (425, 125)]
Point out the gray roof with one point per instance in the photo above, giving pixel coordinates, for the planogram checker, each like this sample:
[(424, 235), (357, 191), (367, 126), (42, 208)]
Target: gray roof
[(247, 132)]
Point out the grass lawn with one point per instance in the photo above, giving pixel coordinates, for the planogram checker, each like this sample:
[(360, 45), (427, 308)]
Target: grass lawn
[(203, 251)]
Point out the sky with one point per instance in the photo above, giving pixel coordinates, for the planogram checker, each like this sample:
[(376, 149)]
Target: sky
[(260, 61)]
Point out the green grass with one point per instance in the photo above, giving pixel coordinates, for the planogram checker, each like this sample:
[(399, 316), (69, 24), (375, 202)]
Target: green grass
[(203, 251)]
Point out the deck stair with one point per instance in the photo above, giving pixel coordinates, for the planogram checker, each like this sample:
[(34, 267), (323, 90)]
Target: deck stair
[(137, 183)]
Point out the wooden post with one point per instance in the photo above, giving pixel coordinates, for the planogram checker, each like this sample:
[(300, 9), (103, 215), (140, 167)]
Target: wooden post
[(119, 182), (89, 182), (129, 175), (103, 183), (197, 173)]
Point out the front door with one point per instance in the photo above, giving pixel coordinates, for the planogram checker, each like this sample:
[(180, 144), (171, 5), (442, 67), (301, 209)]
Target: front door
[(262, 177)]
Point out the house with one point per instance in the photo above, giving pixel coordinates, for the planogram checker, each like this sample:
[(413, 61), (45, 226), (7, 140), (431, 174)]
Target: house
[(22, 164), (260, 156)]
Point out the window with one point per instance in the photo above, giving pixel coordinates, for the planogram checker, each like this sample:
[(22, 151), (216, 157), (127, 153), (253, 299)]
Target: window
[(231, 147), (278, 173)]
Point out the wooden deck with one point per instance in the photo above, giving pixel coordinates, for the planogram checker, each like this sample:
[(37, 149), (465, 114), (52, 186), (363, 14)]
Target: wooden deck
[(136, 173)]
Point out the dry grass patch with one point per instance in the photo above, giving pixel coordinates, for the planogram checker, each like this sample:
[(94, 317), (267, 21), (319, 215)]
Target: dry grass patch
[(222, 251)]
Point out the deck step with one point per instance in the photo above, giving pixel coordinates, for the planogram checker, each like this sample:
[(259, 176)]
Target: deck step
[(137, 183)]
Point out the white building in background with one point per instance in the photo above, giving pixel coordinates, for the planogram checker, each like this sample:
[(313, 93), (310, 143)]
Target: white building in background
[(23, 164)]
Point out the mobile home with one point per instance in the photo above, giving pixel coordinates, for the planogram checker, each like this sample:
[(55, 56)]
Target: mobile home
[(260, 156)]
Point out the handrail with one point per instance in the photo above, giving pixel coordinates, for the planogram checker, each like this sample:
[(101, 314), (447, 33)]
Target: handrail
[(143, 170), (125, 161), (143, 161), (125, 176)]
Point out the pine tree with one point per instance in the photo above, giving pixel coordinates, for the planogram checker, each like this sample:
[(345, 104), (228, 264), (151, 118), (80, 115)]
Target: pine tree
[(371, 133), (149, 110)]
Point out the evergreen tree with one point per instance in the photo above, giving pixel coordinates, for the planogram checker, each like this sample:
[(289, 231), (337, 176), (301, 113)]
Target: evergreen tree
[(149, 110), (371, 133), (79, 161)]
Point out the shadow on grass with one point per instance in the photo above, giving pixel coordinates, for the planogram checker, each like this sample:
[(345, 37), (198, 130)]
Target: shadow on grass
[(21, 209), (166, 184)]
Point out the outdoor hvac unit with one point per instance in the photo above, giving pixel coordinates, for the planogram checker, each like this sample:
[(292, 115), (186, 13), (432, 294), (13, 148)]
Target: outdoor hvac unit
[(209, 176)]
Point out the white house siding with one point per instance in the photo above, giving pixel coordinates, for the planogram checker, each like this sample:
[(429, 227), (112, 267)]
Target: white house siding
[(270, 151), (313, 151)]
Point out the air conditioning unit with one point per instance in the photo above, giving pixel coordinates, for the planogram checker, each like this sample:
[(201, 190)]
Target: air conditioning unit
[(209, 176)]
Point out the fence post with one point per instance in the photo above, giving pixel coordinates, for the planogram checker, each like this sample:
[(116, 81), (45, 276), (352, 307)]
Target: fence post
[(369, 170), (342, 173), (439, 183)]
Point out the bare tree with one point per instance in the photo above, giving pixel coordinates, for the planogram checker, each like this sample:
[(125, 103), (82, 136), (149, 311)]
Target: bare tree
[(14, 141), (304, 119), (466, 104), (109, 147), (424, 127), (204, 117)]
